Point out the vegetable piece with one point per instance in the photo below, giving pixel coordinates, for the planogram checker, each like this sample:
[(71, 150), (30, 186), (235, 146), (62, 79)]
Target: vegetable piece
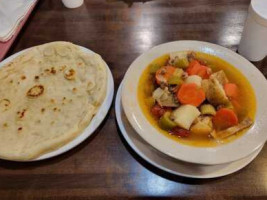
[(175, 80), (179, 132), (164, 73), (232, 130), (231, 90), (157, 111), (190, 93), (202, 127), (179, 59), (194, 79), (165, 122), (192, 64), (153, 68), (195, 68), (207, 109), (225, 118), (185, 115), (178, 72), (182, 63), (164, 97)]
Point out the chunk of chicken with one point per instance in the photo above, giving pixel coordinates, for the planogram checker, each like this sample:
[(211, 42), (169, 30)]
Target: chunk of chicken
[(220, 76), (191, 56), (214, 91), (205, 85), (164, 97), (232, 130)]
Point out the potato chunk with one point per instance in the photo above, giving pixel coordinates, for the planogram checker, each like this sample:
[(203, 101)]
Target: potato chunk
[(185, 115), (203, 126), (194, 79)]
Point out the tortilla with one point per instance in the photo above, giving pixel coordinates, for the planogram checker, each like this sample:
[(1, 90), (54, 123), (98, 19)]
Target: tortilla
[(48, 96)]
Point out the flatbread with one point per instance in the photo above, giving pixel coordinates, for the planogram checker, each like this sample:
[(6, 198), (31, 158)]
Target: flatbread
[(48, 95)]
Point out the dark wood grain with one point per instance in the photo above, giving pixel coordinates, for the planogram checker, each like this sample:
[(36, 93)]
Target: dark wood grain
[(104, 167)]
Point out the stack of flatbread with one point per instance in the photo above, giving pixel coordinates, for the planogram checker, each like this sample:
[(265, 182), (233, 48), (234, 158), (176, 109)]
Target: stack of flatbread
[(48, 95)]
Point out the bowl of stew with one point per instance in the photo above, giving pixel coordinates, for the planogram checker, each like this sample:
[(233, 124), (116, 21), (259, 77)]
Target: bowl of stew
[(197, 102)]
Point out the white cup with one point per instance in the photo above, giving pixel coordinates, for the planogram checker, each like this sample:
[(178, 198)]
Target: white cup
[(72, 3), (253, 44)]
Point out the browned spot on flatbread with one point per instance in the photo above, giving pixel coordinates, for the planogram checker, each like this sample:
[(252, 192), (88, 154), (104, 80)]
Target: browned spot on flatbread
[(21, 114), (70, 74), (4, 104), (35, 91)]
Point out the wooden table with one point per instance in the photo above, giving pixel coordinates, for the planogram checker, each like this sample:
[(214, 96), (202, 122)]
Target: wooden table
[(104, 167)]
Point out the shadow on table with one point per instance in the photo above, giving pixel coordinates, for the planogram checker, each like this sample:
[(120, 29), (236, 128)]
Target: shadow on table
[(262, 66), (13, 165), (169, 176)]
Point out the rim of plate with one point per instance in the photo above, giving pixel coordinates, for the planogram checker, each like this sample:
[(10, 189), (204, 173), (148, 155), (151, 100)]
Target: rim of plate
[(169, 166), (95, 122), (235, 150)]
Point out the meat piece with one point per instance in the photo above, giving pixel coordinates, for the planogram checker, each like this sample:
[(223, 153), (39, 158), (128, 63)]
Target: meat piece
[(165, 98), (220, 76), (205, 85), (232, 130), (191, 56), (214, 92)]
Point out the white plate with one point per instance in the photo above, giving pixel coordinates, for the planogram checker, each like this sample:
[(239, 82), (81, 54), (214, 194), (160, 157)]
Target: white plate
[(239, 148), (96, 121), (171, 165)]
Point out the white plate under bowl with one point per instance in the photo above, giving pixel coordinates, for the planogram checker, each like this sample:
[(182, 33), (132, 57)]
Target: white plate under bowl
[(169, 164), (239, 148), (96, 120)]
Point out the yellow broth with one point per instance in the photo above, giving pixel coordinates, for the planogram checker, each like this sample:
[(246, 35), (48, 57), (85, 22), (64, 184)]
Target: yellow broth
[(246, 99)]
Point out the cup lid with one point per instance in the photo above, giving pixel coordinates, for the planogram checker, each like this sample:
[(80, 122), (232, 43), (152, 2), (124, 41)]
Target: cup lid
[(258, 9)]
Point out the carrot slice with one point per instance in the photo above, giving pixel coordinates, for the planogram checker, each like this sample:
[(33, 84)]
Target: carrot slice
[(164, 73), (190, 93), (225, 118), (193, 65), (195, 68), (231, 90)]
